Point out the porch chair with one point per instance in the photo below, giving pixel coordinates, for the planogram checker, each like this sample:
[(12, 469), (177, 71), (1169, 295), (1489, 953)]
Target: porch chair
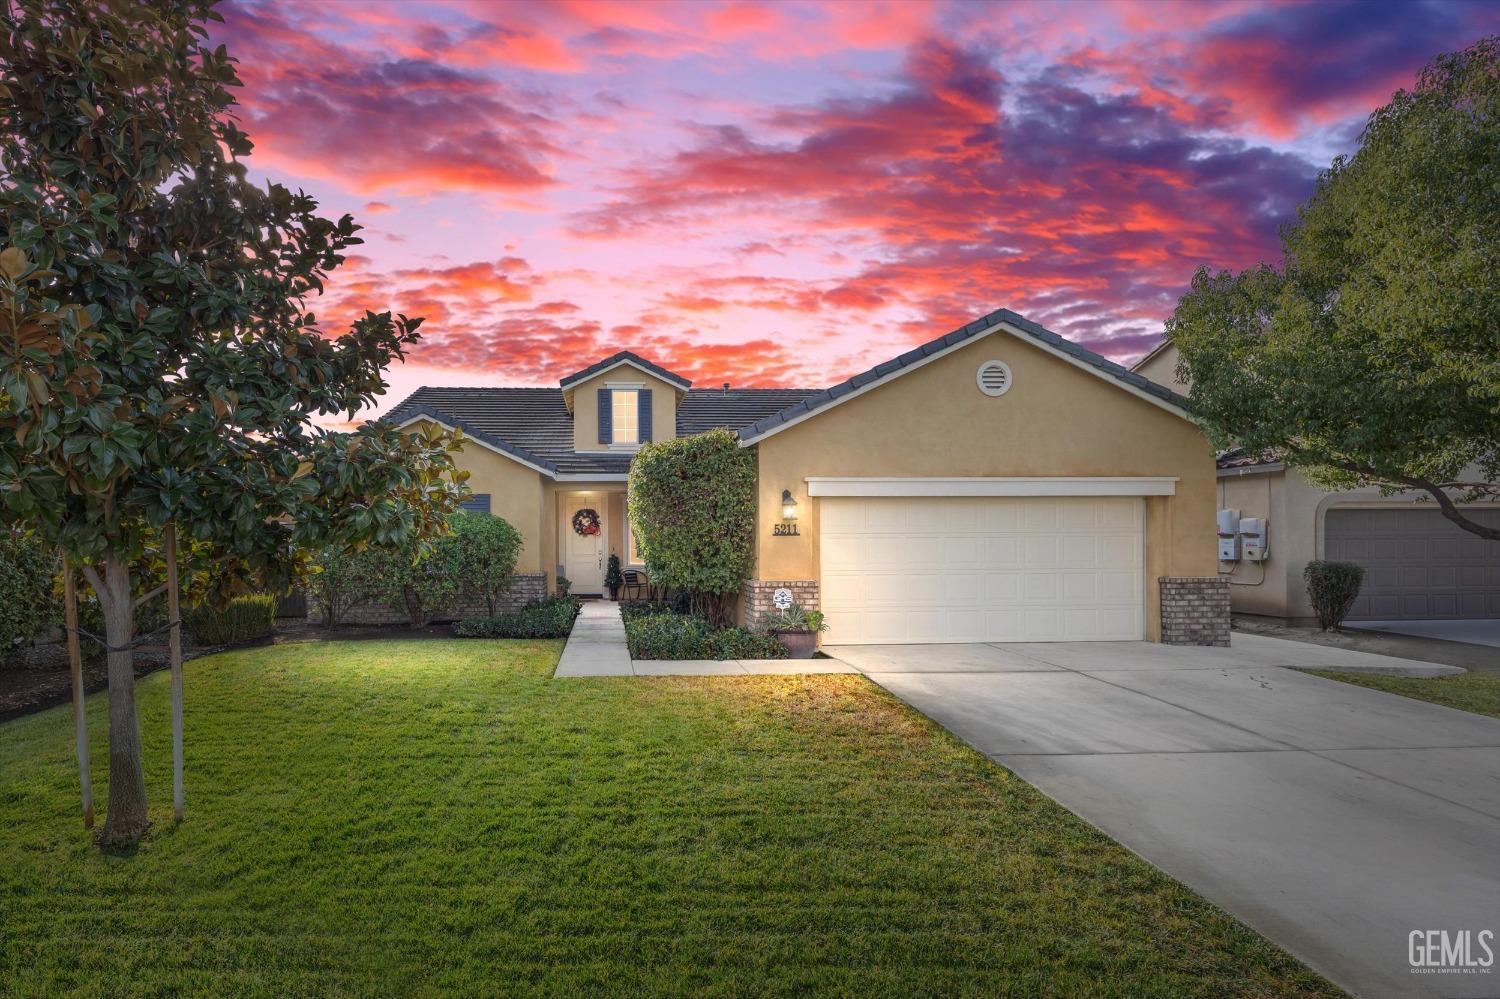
[(635, 581)]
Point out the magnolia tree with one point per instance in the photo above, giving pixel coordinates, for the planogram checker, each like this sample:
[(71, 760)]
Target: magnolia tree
[(159, 367), (1372, 356)]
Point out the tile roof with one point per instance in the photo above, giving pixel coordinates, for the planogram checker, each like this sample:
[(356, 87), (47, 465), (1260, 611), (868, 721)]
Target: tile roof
[(535, 425), (624, 355), (827, 397), (1239, 458)]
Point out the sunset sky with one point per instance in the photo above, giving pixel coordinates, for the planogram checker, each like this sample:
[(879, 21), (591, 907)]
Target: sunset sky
[(787, 193)]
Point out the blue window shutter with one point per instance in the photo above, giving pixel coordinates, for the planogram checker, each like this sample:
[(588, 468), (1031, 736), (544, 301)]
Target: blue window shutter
[(643, 413), (606, 416), (477, 503)]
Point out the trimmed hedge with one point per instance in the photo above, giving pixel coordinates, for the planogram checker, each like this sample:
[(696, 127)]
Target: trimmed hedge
[(28, 604), (688, 636), (1332, 587), (551, 618), (243, 620)]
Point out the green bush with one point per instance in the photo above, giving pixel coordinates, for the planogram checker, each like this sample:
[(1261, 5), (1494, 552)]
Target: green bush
[(692, 513), (644, 608), (688, 636), (242, 620), (1333, 588), (551, 618), (28, 602), (346, 579), (482, 552)]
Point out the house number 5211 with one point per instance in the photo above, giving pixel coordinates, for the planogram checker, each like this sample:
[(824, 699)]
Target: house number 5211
[(783, 530)]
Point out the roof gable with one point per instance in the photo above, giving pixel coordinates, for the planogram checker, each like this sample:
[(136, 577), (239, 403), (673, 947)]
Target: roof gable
[(1001, 320), (625, 357)]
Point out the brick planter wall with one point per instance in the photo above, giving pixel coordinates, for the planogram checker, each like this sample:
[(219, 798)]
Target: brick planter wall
[(1194, 610), (525, 588), (757, 595)]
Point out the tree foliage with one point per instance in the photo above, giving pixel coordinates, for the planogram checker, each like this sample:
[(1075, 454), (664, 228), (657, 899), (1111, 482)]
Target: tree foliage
[(692, 511), (345, 578), (159, 362), (1372, 356)]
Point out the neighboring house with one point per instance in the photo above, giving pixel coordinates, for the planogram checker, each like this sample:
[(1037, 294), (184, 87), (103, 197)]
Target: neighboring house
[(1418, 564), (999, 483)]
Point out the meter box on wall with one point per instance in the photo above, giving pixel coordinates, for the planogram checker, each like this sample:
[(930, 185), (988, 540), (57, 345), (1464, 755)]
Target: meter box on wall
[(1229, 536), (1253, 539)]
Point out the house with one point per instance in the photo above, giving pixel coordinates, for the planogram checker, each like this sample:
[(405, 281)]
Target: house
[(999, 483), (1418, 565)]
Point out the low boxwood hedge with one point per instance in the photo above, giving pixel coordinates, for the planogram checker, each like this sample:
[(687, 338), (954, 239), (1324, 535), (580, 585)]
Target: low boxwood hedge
[(550, 618), (688, 636)]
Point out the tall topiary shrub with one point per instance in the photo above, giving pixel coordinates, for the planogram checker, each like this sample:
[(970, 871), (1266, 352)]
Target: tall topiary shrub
[(1332, 587), (483, 555), (28, 605), (692, 508)]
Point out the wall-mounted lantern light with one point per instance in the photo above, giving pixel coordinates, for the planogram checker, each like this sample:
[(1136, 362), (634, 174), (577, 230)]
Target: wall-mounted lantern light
[(788, 505)]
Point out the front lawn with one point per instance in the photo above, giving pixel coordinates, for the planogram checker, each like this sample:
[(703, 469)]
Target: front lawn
[(391, 818), (1473, 691)]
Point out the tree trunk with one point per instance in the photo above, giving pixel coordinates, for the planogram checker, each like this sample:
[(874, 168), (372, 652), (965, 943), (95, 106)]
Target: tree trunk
[(126, 820)]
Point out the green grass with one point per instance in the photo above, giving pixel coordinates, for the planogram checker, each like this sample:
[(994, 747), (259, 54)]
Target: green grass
[(399, 818), (1474, 691)]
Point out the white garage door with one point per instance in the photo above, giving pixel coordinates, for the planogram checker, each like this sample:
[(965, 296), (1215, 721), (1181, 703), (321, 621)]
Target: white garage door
[(982, 569)]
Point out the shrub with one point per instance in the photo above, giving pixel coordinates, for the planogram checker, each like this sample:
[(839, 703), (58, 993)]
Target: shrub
[(347, 579), (644, 608), (551, 618), (482, 552), (28, 602), (688, 636), (1332, 587), (692, 513), (243, 619)]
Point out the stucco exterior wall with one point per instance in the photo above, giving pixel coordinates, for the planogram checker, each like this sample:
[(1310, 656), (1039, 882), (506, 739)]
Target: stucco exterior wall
[(585, 401), (1161, 368), (1056, 420), (517, 493)]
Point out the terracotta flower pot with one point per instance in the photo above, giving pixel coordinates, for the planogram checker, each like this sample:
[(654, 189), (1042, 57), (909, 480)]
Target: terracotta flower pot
[(798, 644)]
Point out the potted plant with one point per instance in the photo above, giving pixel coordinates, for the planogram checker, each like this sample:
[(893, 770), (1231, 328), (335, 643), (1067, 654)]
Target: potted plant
[(796, 628), (613, 577)]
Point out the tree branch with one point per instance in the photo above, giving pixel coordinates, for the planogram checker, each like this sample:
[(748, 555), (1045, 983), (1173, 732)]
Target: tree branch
[(144, 597), (1436, 490)]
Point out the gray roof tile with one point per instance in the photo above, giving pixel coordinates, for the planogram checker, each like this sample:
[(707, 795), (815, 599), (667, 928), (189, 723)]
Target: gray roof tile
[(625, 355)]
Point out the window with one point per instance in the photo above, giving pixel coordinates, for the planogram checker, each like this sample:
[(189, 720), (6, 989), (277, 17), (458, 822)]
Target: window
[(633, 555), (476, 503), (625, 416)]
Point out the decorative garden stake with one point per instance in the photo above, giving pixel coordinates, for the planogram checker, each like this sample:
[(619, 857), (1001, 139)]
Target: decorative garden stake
[(80, 717)]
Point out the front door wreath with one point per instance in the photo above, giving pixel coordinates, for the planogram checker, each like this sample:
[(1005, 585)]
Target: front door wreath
[(586, 522)]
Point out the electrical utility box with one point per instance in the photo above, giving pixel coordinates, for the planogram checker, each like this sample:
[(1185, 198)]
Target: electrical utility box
[(1229, 535), (1253, 539)]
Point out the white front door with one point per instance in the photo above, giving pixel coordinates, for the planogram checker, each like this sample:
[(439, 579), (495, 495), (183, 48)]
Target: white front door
[(583, 554), (982, 569)]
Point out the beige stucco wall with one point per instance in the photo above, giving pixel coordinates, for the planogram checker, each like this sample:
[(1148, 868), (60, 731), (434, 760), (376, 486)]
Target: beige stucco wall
[(1056, 420), (517, 493), (585, 403), (1161, 368)]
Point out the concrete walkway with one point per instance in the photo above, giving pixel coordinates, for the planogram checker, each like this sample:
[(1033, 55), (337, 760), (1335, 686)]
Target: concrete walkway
[(1334, 819), (596, 647)]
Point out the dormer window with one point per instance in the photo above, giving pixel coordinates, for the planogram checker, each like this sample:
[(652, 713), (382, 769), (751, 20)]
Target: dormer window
[(625, 412)]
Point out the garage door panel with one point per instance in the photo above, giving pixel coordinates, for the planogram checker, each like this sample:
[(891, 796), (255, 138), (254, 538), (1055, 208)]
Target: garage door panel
[(982, 569), (1417, 564)]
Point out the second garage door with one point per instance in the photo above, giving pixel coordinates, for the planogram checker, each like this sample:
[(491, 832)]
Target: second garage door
[(1418, 564), (982, 569)]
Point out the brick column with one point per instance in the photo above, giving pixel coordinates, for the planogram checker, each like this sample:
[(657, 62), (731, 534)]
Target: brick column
[(1194, 610), (758, 594)]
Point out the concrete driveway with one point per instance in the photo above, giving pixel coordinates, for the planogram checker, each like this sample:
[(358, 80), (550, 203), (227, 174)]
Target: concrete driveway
[(1480, 632), (1334, 819)]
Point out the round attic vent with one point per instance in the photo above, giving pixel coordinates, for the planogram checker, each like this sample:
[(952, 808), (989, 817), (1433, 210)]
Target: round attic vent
[(994, 378)]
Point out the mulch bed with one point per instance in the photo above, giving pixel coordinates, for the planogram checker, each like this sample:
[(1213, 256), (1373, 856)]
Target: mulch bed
[(40, 679)]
